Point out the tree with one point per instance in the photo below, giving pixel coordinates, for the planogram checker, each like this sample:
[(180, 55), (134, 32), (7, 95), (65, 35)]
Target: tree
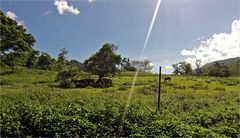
[(32, 59), (66, 74), (104, 62), (15, 42), (187, 69), (219, 70), (225, 71), (147, 65), (126, 65), (61, 60), (182, 68), (137, 64), (235, 68), (215, 70), (176, 68), (45, 61), (198, 69), (66, 71), (143, 66)]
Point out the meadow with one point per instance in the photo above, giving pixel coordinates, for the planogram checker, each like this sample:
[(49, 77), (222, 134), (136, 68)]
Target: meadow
[(32, 104)]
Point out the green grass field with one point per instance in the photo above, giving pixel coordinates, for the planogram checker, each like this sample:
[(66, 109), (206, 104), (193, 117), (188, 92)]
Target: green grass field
[(33, 105)]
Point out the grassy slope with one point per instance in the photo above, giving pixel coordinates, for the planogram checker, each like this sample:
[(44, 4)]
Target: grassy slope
[(31, 104)]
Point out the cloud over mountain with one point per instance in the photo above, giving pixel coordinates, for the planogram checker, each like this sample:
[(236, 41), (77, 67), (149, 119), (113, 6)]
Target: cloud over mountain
[(218, 47)]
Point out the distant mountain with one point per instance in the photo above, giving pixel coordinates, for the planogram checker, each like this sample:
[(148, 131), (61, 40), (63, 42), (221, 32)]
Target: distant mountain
[(233, 65), (225, 62), (76, 63)]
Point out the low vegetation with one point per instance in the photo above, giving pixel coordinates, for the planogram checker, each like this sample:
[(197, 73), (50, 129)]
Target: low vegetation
[(34, 105)]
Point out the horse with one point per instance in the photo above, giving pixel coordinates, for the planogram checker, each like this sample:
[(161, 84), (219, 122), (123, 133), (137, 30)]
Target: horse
[(83, 82), (89, 81), (107, 82), (167, 79), (104, 82)]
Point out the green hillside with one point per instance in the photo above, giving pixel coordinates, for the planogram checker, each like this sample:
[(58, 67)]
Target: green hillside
[(233, 64), (32, 104)]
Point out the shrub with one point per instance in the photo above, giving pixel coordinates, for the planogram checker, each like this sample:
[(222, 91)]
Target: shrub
[(179, 87), (123, 87), (146, 90), (220, 89), (199, 86), (169, 84), (109, 90), (66, 74)]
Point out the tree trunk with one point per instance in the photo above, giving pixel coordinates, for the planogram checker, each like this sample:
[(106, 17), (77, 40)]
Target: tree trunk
[(12, 64), (100, 82)]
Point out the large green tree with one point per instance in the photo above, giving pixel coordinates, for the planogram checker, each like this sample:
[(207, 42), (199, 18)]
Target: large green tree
[(45, 61), (32, 59), (15, 41), (104, 62), (66, 71)]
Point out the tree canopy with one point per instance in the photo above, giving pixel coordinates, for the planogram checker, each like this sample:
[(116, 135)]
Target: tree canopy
[(15, 41), (32, 59), (143, 65), (219, 70), (182, 68), (104, 62), (45, 61)]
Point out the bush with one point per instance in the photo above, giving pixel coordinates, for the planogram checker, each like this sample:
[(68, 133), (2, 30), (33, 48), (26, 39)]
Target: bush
[(179, 87), (219, 70), (199, 86), (123, 87), (65, 76), (146, 90), (220, 89)]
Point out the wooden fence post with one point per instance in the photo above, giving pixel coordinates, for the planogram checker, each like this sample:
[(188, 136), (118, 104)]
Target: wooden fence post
[(159, 87)]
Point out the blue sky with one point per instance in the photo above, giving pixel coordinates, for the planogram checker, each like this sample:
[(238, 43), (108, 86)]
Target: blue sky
[(179, 25)]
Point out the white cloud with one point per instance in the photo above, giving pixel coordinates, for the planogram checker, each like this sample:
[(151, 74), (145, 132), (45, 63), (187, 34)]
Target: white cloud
[(218, 47), (151, 64), (20, 22), (185, 52), (90, 1), (13, 16), (47, 12), (62, 6)]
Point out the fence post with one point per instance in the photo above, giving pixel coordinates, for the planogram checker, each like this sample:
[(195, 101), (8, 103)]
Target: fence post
[(159, 87)]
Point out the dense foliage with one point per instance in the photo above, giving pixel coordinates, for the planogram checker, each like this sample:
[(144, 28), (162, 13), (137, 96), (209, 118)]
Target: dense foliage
[(66, 74), (142, 66), (104, 62), (32, 59), (31, 105), (182, 68), (15, 42), (219, 70), (45, 62)]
